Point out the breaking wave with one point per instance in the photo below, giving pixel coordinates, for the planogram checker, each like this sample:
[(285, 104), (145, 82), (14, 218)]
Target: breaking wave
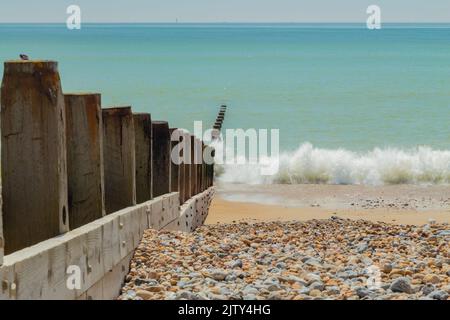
[(311, 165)]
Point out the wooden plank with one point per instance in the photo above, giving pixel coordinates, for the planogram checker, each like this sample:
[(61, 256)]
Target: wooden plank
[(115, 279), (193, 166), (143, 221), (198, 165), (166, 210), (175, 135), (143, 143), (119, 157), (156, 219), (110, 244), (2, 242), (34, 173), (95, 292), (187, 166), (39, 272), (84, 139), (7, 284), (170, 209), (182, 177), (31, 274), (161, 158), (192, 213), (211, 167)]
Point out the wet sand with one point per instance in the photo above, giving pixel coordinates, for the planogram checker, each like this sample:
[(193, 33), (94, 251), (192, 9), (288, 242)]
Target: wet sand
[(399, 204)]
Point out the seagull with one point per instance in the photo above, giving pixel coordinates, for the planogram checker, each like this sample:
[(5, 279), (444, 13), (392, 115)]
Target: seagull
[(24, 57)]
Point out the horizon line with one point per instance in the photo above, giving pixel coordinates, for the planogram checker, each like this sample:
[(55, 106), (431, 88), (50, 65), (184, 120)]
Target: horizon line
[(226, 22)]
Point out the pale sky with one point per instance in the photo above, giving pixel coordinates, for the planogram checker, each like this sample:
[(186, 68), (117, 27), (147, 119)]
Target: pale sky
[(225, 10)]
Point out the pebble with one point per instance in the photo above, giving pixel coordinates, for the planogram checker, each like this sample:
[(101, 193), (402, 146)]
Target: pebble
[(427, 289), (236, 264), (315, 293), (317, 259), (431, 278), (362, 292), (438, 295), (317, 286), (144, 294), (401, 284), (218, 275)]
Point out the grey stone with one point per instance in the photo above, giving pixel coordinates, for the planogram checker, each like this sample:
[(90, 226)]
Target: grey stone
[(219, 275), (236, 264), (438, 295), (401, 284), (317, 285), (250, 290), (349, 274), (186, 295), (427, 289), (275, 270), (312, 277), (313, 262), (444, 233), (131, 294), (273, 287), (333, 290), (274, 296), (362, 247), (362, 292)]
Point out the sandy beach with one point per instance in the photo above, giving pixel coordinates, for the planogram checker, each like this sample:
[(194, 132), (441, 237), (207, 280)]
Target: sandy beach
[(399, 204)]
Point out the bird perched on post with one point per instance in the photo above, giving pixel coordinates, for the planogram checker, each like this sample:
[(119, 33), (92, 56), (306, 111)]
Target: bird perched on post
[(24, 57)]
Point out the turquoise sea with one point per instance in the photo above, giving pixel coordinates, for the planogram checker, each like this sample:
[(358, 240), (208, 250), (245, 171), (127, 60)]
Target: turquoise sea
[(353, 105)]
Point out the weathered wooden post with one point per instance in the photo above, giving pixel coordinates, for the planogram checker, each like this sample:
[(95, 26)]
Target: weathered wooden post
[(198, 164), (187, 166), (204, 172), (2, 241), (119, 158), (161, 158), (84, 138), (144, 163), (174, 167), (210, 168), (207, 169), (193, 166), (210, 159), (181, 169), (34, 167)]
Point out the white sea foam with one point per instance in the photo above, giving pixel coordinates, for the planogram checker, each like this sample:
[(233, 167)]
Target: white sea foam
[(311, 165)]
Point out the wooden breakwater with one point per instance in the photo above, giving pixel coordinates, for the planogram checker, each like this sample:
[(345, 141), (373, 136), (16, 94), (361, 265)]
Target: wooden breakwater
[(80, 184)]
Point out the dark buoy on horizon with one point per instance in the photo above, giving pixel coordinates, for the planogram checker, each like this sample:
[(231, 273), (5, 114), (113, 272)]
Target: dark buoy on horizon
[(24, 57)]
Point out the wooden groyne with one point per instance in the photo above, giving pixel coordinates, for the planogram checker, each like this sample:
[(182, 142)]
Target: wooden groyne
[(80, 184), (217, 127)]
